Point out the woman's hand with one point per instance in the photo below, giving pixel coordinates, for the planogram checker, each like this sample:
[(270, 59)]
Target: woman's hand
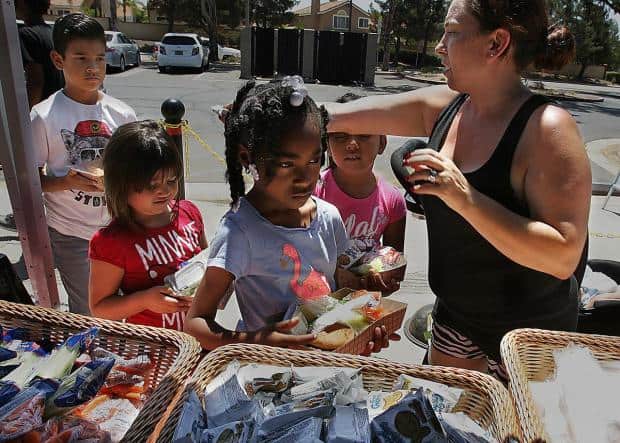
[(380, 341), (279, 335), (443, 179), (163, 300)]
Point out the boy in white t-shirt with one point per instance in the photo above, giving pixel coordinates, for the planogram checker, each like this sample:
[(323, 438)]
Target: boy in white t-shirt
[(71, 129)]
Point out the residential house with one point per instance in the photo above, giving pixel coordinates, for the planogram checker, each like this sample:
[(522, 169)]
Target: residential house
[(333, 15), (64, 7)]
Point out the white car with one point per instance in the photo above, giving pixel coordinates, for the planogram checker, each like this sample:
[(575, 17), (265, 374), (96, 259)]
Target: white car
[(182, 51), (120, 51), (222, 51)]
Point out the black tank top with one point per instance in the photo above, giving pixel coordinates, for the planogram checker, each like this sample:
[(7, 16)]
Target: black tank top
[(478, 285)]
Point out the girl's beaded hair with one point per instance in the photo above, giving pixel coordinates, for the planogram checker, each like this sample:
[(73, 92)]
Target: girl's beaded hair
[(260, 117)]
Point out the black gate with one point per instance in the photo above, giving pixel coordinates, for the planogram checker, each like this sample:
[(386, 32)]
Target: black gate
[(290, 44), (329, 61), (262, 52), (341, 57), (354, 57)]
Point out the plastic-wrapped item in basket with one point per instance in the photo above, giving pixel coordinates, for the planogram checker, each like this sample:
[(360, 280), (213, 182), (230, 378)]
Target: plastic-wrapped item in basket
[(235, 432), (78, 388), (188, 277), (349, 425), (113, 415), (24, 418)]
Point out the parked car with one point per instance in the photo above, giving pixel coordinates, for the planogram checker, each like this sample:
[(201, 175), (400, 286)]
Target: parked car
[(227, 52), (222, 51), (120, 51), (182, 51)]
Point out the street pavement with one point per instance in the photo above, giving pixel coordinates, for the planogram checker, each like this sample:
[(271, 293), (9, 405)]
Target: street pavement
[(144, 88)]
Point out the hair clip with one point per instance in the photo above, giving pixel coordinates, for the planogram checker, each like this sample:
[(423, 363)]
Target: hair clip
[(253, 171), (299, 89)]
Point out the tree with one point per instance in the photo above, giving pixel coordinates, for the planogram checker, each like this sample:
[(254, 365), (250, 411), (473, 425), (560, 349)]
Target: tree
[(594, 30), (272, 12), (167, 8), (113, 18), (388, 10)]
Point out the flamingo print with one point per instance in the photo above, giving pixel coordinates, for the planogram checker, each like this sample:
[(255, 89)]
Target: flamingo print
[(314, 286)]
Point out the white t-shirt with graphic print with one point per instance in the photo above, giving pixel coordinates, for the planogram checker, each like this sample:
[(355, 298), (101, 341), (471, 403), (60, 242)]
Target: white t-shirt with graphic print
[(68, 134)]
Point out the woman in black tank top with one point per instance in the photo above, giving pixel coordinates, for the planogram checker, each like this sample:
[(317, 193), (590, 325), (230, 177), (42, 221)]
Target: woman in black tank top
[(504, 180)]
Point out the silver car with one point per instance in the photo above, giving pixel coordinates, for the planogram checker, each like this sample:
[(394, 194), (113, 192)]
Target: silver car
[(120, 51)]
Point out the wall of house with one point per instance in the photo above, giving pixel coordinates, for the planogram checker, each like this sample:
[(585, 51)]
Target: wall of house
[(137, 31), (326, 20)]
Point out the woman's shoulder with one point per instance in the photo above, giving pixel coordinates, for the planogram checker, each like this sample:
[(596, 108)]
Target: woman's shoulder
[(551, 130)]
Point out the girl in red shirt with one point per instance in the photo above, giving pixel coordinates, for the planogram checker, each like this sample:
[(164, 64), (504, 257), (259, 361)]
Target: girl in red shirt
[(151, 233)]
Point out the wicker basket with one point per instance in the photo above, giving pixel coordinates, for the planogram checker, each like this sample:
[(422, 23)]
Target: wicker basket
[(173, 353), (485, 399), (528, 356)]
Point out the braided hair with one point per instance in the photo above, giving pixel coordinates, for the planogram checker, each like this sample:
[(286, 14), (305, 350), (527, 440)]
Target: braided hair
[(260, 117)]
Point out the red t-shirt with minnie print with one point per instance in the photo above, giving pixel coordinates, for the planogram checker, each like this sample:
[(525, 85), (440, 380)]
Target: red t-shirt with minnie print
[(150, 255)]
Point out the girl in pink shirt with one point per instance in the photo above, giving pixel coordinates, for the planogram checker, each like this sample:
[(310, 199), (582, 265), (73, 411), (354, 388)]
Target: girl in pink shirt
[(373, 210)]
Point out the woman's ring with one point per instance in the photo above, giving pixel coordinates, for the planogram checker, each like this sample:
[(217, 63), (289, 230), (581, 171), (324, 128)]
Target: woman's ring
[(432, 176)]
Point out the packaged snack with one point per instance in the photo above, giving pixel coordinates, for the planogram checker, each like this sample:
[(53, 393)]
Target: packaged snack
[(72, 429), (138, 365), (113, 415), (379, 260), (235, 432), (411, 419), (460, 428), (186, 280), (350, 313), (337, 382), (356, 250), (378, 401), (304, 374), (304, 431), (192, 420), (226, 400), (349, 425), (302, 327), (79, 387), (256, 378), (44, 388), (442, 397), (6, 354), (25, 417)]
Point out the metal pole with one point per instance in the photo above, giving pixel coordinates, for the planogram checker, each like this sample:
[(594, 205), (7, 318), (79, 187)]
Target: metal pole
[(247, 13), (350, 14), (173, 110), (18, 161)]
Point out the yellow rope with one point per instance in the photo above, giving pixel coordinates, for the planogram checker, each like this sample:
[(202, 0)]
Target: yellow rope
[(188, 129)]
